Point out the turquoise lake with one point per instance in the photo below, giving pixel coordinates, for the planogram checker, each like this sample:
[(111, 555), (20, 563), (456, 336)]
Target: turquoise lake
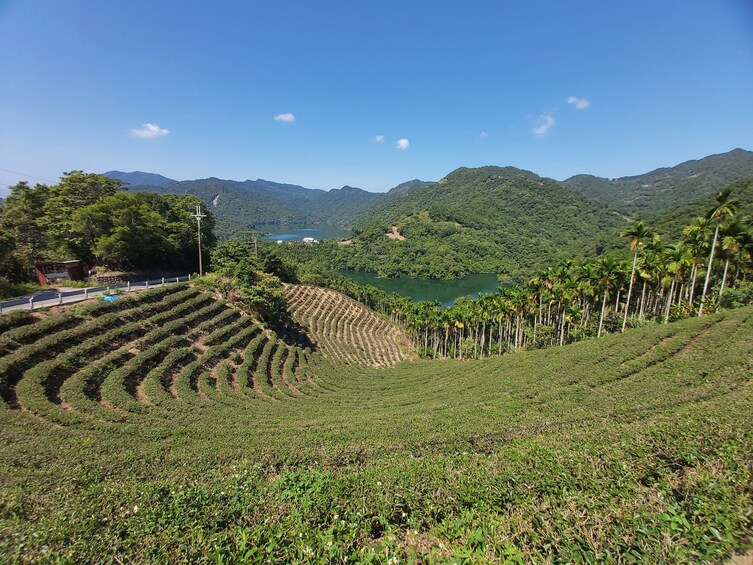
[(297, 233), (445, 292)]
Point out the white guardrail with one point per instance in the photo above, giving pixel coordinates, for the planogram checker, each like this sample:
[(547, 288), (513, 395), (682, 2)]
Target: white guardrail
[(48, 298)]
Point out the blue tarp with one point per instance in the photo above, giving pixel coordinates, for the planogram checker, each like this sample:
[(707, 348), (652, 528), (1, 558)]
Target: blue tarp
[(110, 298)]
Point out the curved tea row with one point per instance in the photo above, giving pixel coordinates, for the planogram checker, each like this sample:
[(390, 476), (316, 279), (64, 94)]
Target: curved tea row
[(144, 354), (345, 330)]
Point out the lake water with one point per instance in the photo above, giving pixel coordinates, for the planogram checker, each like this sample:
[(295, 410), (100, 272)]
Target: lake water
[(297, 233), (445, 292)]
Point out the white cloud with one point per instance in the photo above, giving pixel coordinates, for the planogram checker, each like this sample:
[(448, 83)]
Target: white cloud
[(148, 131), (546, 121), (402, 144), (379, 138), (288, 118), (484, 134), (580, 103)]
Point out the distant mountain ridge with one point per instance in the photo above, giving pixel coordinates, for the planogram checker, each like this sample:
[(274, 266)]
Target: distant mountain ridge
[(140, 178), (664, 188), (241, 205), (252, 204)]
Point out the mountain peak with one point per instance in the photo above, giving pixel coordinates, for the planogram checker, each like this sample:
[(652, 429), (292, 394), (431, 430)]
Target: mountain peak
[(140, 178)]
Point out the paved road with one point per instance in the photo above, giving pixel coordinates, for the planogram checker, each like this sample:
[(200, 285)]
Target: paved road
[(48, 298)]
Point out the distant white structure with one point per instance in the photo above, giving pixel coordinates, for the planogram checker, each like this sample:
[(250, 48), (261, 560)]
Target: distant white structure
[(310, 240), (279, 242)]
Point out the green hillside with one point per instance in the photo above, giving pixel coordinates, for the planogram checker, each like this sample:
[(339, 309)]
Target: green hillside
[(406, 187), (491, 219), (171, 427), (341, 206), (664, 189), (232, 205), (671, 223)]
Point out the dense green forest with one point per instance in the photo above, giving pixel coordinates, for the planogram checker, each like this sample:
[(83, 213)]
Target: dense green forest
[(92, 218), (486, 220), (235, 208), (662, 190), (672, 222), (240, 206)]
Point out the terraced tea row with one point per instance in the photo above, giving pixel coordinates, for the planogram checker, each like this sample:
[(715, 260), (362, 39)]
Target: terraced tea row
[(147, 355), (345, 330)]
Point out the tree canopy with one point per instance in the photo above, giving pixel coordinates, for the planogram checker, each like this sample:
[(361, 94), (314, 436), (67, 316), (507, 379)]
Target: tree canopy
[(92, 218)]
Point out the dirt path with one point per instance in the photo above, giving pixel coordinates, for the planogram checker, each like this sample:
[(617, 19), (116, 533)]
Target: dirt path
[(395, 234)]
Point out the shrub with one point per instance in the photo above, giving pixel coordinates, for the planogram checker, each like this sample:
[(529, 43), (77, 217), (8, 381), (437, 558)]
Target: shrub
[(738, 296)]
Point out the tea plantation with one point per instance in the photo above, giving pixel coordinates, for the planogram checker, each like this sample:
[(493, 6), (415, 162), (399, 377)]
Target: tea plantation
[(170, 427)]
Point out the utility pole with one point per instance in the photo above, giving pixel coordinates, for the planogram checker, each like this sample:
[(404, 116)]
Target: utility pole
[(198, 215)]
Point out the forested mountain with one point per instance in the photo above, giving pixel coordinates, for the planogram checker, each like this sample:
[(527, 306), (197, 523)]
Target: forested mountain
[(251, 204), (406, 187), (489, 219), (664, 189), (241, 205), (341, 206), (139, 178), (233, 205), (671, 223)]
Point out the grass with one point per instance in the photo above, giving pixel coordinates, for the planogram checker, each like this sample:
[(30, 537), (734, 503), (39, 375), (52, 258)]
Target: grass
[(631, 448), (8, 290)]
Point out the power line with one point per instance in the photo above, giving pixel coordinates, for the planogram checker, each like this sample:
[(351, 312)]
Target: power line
[(25, 175)]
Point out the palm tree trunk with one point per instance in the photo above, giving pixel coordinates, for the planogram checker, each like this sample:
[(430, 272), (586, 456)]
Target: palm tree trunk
[(534, 332), (724, 278), (692, 284), (708, 271), (643, 301), (669, 301), (601, 318), (630, 291)]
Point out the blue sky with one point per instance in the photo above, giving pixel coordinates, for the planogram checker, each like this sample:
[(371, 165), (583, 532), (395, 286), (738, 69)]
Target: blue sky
[(559, 88)]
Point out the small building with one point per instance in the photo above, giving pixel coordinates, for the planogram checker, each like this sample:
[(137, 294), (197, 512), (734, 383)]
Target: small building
[(310, 240), (51, 272)]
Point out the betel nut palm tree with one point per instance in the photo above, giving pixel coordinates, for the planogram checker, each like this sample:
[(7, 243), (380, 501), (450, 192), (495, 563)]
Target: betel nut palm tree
[(725, 208), (733, 238), (638, 233)]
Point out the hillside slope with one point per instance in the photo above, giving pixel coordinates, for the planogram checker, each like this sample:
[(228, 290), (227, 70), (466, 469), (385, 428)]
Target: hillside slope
[(668, 187), (253, 204), (637, 446), (671, 223), (345, 330), (235, 206), (489, 219)]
